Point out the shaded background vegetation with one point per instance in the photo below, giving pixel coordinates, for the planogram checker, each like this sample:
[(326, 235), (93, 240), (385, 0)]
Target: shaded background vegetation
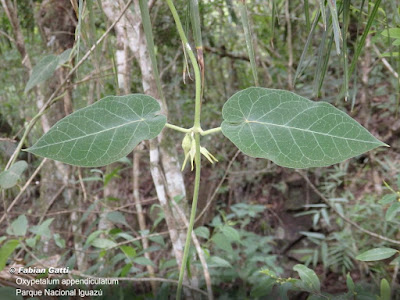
[(261, 215)]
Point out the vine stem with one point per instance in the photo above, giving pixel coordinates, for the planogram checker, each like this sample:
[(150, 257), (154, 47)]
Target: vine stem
[(177, 128), (192, 60), (197, 130), (192, 215), (210, 131)]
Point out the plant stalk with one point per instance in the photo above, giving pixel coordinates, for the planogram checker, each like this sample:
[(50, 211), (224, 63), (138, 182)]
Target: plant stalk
[(192, 60), (177, 128), (196, 129), (197, 159), (210, 131)]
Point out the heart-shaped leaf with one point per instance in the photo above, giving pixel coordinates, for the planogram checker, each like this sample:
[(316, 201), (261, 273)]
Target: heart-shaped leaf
[(103, 132), (291, 130)]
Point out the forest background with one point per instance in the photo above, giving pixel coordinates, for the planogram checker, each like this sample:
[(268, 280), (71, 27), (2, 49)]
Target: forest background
[(256, 222)]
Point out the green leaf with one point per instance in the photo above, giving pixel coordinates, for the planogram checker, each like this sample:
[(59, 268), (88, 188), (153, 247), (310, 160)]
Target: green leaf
[(231, 233), (31, 242), (390, 54), (128, 251), (216, 261), (376, 254), (103, 132), (392, 211), (262, 288), (60, 242), (43, 229), (392, 32), (222, 242), (9, 178), (103, 243), (42, 71), (116, 217), (203, 232), (19, 226), (93, 236), (335, 25), (6, 250), (125, 270), (350, 283), (64, 57), (292, 131), (143, 261), (389, 198), (385, 290), (309, 278), (157, 239)]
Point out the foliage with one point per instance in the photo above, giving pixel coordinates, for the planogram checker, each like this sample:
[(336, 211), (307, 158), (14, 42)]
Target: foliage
[(327, 41), (102, 133)]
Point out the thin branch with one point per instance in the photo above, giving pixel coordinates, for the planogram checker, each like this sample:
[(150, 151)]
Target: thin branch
[(385, 62), (8, 37), (354, 224), (141, 215), (200, 253)]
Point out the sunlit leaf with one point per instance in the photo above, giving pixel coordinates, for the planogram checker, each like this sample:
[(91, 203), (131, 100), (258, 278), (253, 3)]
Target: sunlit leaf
[(292, 131), (103, 132)]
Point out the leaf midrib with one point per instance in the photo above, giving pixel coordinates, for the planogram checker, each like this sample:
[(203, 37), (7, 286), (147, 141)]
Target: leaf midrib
[(307, 130), (90, 134)]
